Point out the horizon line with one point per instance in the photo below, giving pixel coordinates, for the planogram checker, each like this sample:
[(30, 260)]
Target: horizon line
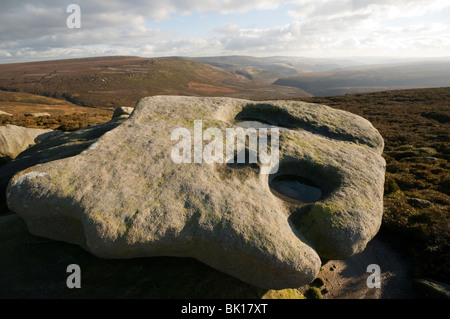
[(421, 58)]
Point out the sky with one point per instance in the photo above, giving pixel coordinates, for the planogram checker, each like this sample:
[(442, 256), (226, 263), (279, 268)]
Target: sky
[(38, 29)]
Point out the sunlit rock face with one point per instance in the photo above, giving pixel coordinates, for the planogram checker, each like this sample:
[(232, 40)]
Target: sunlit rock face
[(136, 192)]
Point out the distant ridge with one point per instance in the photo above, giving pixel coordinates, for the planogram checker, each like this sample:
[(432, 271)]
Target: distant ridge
[(109, 82), (372, 78), (113, 81), (269, 69)]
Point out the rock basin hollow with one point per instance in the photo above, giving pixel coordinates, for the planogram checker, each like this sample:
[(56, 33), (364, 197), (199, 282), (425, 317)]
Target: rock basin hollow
[(295, 188)]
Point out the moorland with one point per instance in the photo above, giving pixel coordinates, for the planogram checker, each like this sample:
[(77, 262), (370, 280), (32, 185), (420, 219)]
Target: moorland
[(414, 122)]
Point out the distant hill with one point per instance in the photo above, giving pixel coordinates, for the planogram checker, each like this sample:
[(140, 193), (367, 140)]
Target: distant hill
[(269, 69), (371, 78), (108, 82)]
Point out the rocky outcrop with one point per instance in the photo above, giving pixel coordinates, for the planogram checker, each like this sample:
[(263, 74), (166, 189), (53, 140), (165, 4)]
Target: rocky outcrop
[(125, 197), (15, 139)]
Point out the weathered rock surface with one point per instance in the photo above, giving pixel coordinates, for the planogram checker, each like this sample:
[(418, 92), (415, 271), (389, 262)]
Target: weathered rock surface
[(124, 197), (56, 146), (15, 139), (122, 112)]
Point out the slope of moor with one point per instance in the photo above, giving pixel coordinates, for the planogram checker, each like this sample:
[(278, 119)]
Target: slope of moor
[(109, 82)]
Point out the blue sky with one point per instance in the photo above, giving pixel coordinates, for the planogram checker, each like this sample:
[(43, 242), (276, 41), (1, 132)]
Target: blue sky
[(36, 30), (197, 24)]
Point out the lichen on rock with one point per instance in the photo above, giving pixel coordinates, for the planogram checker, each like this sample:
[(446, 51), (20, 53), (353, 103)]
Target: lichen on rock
[(124, 197)]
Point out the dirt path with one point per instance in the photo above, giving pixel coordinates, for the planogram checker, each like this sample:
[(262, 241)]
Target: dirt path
[(347, 279)]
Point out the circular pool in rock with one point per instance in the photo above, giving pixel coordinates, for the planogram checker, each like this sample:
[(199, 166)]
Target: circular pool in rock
[(296, 188)]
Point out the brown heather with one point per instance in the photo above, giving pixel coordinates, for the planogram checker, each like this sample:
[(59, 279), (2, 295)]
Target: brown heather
[(415, 125)]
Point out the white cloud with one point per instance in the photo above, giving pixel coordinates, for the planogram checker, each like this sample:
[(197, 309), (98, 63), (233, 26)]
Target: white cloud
[(37, 29), (5, 54), (379, 9)]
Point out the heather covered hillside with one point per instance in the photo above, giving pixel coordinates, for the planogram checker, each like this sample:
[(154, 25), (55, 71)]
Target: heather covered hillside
[(415, 125), (110, 82)]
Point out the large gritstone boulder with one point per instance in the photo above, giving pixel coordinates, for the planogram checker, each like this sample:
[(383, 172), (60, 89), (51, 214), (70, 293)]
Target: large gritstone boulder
[(166, 183)]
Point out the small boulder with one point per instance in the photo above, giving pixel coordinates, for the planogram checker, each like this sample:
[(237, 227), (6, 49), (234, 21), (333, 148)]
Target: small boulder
[(418, 202), (38, 114), (5, 113), (15, 139), (122, 112)]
